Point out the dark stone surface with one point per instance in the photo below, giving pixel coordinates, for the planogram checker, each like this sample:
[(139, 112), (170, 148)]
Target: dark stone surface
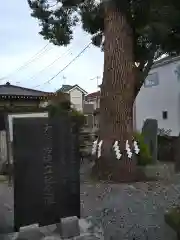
[(149, 131), (46, 166), (167, 151), (177, 151)]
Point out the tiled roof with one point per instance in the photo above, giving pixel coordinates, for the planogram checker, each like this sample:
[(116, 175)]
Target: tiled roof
[(165, 60), (8, 89), (66, 88), (93, 95)]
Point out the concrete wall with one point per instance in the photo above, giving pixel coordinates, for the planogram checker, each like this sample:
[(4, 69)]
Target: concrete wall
[(95, 102), (163, 96)]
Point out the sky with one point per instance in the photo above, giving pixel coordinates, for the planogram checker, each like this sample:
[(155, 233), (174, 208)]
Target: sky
[(20, 41)]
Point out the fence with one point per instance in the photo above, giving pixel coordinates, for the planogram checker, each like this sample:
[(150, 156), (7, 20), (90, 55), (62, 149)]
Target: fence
[(167, 148)]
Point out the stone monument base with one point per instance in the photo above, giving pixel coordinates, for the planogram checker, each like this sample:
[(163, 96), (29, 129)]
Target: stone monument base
[(70, 228)]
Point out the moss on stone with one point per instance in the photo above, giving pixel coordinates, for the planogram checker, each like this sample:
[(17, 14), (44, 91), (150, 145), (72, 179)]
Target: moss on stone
[(172, 218)]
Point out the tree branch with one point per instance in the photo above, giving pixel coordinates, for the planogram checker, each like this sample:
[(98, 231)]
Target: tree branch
[(142, 71)]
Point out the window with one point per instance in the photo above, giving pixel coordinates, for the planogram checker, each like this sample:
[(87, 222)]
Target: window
[(151, 80), (164, 114), (177, 72)]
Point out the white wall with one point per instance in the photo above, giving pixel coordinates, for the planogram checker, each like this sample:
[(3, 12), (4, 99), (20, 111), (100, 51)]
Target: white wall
[(25, 115), (95, 101), (151, 101), (76, 98)]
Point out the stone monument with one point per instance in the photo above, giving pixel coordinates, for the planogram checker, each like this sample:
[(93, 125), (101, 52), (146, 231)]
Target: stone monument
[(149, 131), (46, 170)]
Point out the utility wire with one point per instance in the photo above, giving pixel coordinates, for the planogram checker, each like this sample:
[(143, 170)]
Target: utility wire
[(45, 68), (33, 58), (74, 59)]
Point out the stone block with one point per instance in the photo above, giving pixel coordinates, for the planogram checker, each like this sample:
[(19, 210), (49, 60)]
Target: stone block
[(52, 238), (31, 232), (87, 237), (177, 154), (69, 227), (48, 230), (84, 225), (159, 171), (150, 131), (89, 230)]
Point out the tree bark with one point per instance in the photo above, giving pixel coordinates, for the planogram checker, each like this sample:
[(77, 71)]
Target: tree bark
[(117, 97)]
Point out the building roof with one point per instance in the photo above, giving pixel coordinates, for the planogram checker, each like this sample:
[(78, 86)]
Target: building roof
[(165, 60), (93, 95), (67, 88), (11, 91), (8, 89)]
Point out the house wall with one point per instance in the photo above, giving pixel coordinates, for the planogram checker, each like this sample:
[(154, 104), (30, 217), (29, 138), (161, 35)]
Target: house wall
[(95, 101), (165, 96), (77, 98)]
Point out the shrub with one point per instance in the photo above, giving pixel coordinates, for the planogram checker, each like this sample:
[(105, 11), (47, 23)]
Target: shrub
[(144, 157)]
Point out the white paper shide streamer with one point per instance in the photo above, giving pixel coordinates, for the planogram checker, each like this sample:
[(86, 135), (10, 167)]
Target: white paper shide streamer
[(99, 148), (117, 150), (129, 153), (94, 147), (136, 148)]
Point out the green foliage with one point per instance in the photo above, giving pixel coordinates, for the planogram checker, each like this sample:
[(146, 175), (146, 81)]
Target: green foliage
[(78, 117), (65, 108), (144, 157), (59, 108), (158, 33)]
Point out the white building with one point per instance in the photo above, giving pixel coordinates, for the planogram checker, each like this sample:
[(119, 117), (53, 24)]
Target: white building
[(159, 97), (77, 95)]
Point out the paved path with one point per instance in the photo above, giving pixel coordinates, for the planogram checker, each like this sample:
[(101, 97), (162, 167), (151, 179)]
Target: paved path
[(126, 211), (131, 211), (6, 208)]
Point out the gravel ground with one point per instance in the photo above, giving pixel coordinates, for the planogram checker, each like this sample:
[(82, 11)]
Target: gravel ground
[(6, 208), (131, 211), (125, 211)]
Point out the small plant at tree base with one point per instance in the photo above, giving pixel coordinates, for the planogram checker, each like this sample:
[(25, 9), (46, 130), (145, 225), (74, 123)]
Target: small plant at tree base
[(144, 157)]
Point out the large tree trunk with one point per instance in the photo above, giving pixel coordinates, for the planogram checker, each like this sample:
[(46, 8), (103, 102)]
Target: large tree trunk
[(117, 97)]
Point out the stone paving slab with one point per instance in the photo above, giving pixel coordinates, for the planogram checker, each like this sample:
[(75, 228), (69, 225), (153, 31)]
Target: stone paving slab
[(82, 231)]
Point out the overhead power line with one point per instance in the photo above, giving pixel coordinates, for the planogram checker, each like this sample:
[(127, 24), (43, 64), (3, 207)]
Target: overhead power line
[(45, 68), (32, 59), (74, 59)]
